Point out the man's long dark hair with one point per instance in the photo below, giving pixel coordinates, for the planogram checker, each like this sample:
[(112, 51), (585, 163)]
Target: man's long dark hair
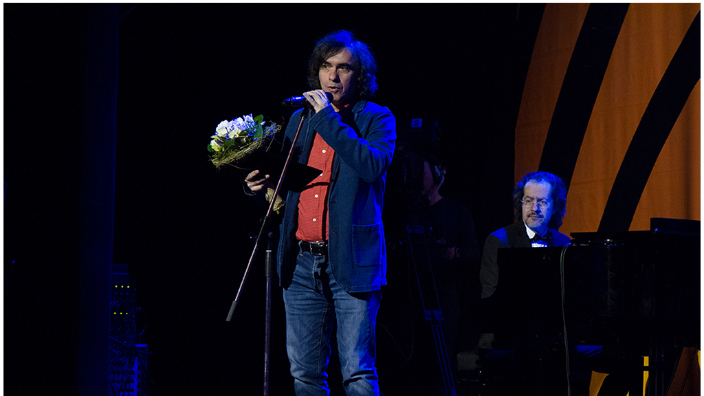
[(365, 65), (558, 194)]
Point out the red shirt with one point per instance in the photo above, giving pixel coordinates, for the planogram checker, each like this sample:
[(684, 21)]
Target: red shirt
[(313, 203)]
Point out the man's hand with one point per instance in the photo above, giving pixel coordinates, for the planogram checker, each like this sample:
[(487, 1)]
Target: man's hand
[(257, 183), (318, 99)]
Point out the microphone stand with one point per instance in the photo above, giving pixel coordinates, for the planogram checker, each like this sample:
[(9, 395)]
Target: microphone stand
[(262, 229), (268, 272)]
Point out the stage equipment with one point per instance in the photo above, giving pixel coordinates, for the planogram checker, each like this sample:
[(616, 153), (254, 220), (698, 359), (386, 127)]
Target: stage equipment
[(418, 252), (301, 101), (128, 357)]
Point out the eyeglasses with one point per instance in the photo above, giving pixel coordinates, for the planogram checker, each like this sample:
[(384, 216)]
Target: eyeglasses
[(529, 202)]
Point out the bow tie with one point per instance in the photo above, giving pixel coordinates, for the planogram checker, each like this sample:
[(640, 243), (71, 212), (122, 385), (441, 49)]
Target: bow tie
[(538, 238)]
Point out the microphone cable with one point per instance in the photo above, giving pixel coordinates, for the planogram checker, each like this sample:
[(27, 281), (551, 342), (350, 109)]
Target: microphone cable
[(564, 317)]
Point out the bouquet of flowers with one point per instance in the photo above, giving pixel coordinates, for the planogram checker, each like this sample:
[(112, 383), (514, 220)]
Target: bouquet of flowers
[(237, 139)]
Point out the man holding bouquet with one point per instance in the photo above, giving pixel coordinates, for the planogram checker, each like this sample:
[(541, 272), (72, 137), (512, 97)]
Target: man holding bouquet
[(331, 258)]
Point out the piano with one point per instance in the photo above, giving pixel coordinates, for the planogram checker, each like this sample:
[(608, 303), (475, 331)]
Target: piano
[(643, 286)]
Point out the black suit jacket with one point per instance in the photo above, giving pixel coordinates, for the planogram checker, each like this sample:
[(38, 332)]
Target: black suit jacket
[(513, 236)]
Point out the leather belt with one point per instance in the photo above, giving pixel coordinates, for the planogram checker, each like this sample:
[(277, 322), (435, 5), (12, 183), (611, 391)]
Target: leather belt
[(315, 248)]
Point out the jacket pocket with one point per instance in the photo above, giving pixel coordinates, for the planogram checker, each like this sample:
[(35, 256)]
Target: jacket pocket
[(368, 246)]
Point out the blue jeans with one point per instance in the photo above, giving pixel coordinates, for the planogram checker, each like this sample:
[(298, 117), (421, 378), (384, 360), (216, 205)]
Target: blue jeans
[(315, 303)]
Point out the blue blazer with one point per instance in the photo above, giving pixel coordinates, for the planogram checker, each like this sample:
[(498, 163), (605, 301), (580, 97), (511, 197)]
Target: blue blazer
[(364, 148)]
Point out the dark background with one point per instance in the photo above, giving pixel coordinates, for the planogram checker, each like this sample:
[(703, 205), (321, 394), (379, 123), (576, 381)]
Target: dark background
[(182, 226)]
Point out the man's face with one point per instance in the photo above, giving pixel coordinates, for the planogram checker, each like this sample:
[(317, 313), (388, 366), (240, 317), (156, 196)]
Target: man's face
[(537, 205), (338, 77)]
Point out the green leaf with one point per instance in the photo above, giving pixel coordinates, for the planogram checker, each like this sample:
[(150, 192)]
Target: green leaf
[(259, 132), (258, 119), (210, 149)]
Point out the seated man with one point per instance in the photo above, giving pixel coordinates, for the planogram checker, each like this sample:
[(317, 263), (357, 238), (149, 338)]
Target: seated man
[(540, 204)]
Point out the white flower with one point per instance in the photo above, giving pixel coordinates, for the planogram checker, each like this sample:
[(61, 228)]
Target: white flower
[(222, 128)]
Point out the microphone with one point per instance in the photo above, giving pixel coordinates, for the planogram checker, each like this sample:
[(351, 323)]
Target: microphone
[(301, 101)]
